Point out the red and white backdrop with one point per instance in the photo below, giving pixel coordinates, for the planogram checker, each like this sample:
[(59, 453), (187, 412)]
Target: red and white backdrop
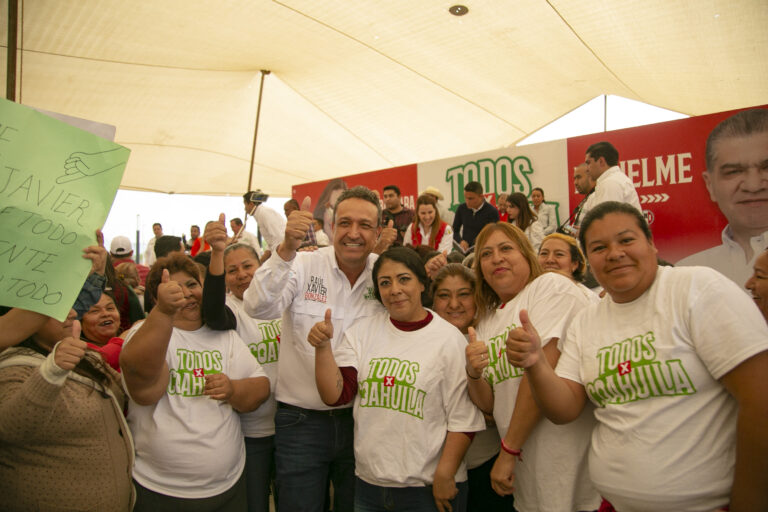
[(664, 160)]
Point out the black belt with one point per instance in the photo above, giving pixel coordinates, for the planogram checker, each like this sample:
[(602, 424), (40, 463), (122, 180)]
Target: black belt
[(346, 411)]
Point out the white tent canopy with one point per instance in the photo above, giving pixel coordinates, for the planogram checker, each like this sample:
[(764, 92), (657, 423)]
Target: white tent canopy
[(369, 84)]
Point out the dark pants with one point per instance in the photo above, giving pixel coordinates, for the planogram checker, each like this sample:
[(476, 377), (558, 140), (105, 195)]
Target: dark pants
[(373, 498), (311, 447), (232, 500), (482, 497), (259, 465)]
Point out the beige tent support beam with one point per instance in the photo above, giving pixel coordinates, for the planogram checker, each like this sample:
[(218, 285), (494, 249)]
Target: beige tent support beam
[(10, 75), (264, 72)]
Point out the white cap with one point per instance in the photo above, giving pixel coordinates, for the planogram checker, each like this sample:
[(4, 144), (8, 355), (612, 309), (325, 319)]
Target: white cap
[(121, 246)]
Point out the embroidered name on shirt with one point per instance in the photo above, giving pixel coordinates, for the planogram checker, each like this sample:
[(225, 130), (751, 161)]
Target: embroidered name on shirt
[(267, 350), (628, 371), (391, 385), (316, 290), (369, 295), (189, 378)]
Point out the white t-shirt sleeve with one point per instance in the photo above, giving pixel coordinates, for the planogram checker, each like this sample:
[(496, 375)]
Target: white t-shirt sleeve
[(726, 326), (272, 289), (347, 353), (569, 364), (555, 303), (461, 413), (242, 364)]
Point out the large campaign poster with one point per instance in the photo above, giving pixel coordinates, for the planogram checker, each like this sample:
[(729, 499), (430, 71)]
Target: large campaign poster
[(324, 193), (515, 169), (665, 161)]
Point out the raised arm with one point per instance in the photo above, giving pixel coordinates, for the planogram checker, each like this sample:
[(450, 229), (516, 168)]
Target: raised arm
[(216, 314), (17, 325), (296, 228), (480, 391), (142, 359), (328, 377), (560, 400)]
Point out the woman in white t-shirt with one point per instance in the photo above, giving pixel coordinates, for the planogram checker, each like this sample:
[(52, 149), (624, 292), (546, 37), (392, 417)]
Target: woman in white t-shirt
[(674, 360), (186, 385), (520, 214), (232, 268), (561, 253), (510, 279), (413, 418), (427, 228), (453, 298)]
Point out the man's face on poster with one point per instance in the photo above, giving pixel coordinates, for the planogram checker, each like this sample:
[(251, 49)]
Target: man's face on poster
[(738, 181)]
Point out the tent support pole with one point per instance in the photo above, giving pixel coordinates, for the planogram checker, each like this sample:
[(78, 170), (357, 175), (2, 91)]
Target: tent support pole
[(264, 72), (10, 74)]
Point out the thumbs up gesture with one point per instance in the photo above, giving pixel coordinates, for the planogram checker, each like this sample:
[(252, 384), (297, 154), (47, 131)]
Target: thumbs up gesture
[(435, 263), (476, 354), (524, 344), (216, 234), (298, 224), (69, 351), (386, 238), (170, 296), (321, 333)]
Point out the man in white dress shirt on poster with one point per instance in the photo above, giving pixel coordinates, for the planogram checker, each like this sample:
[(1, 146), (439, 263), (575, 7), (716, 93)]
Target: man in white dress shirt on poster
[(737, 180)]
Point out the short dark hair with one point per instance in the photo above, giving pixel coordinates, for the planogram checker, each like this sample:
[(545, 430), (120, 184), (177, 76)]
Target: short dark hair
[(157, 224), (320, 221), (539, 189), (475, 187), (292, 202), (166, 244), (604, 150), (741, 124), (603, 209), (177, 262), (359, 192), (407, 257), (195, 226), (237, 220), (393, 188)]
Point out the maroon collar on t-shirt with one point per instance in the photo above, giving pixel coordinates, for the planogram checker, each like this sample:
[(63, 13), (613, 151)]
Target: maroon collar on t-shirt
[(412, 326)]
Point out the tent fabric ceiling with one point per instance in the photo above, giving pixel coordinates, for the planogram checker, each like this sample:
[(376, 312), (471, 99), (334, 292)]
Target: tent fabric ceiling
[(365, 85)]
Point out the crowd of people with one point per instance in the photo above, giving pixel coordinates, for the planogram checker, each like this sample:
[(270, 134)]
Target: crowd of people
[(384, 369)]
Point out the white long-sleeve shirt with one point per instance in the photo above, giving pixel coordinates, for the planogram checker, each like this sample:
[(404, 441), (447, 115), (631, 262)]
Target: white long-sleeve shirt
[(301, 290)]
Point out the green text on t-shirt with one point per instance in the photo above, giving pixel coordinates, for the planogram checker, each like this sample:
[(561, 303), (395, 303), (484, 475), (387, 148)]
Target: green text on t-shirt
[(189, 378), (390, 385), (628, 371)]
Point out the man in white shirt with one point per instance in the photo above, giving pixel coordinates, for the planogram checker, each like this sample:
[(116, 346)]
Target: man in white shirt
[(271, 224), (244, 237), (149, 252), (611, 184), (314, 441), (737, 180)]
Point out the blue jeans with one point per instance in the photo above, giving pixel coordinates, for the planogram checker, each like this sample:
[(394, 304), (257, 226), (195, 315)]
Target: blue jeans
[(373, 498), (311, 447), (259, 463)]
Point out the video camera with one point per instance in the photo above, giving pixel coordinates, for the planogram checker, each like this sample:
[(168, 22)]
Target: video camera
[(257, 197)]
